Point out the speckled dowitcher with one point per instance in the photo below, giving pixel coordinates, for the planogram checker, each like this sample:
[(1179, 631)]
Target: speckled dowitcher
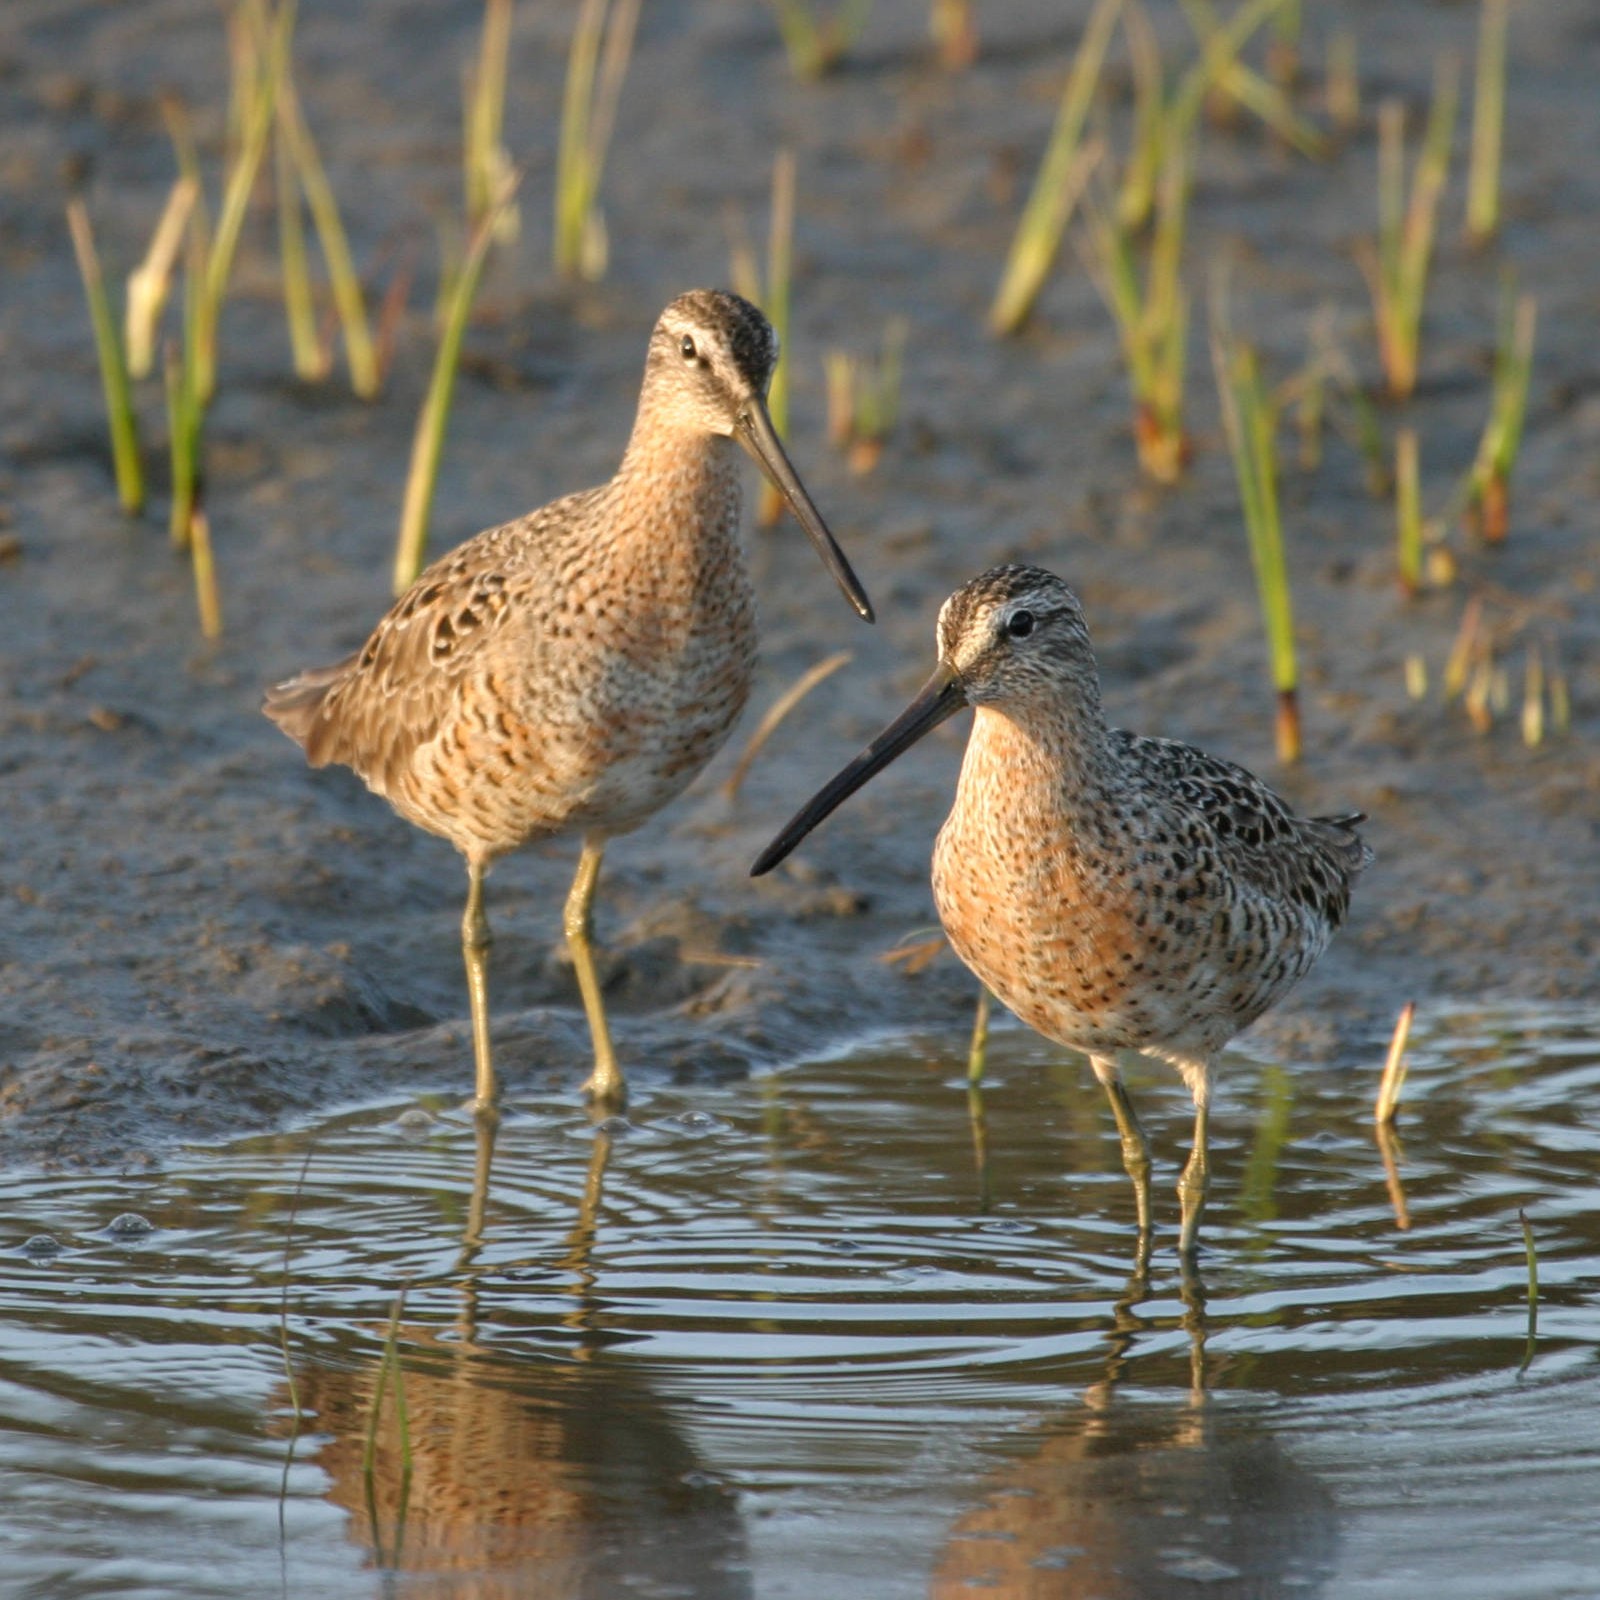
[(1117, 892), (572, 671)]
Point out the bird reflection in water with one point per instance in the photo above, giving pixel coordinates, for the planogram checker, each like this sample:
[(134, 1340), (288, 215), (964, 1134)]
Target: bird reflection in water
[(1127, 1501), (527, 1474)]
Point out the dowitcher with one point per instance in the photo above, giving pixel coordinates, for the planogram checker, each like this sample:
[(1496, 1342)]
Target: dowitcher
[(1116, 892), (572, 671)]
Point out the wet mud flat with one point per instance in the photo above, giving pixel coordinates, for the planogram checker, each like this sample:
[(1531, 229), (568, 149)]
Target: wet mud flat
[(200, 937)]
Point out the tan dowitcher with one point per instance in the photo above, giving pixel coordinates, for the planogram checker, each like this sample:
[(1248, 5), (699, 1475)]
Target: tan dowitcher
[(1117, 892), (572, 671)]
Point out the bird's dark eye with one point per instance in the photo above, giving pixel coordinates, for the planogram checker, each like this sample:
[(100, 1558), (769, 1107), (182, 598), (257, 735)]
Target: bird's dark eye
[(688, 349), (1019, 624)]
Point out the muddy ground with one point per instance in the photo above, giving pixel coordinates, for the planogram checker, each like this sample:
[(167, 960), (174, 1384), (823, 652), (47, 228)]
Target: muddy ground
[(200, 936)]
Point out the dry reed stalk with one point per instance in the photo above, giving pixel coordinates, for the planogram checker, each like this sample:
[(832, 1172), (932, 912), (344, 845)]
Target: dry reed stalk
[(1394, 1068), (780, 708), (151, 281)]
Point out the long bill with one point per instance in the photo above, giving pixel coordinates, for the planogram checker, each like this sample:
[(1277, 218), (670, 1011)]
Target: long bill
[(755, 432), (937, 701)]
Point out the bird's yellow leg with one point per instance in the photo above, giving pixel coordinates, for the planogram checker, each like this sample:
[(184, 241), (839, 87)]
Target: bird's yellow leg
[(604, 1085), (1135, 1147), (475, 943), (1192, 1185)]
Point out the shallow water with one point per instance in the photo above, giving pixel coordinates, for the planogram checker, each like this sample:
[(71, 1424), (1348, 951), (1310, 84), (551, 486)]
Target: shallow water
[(798, 1338)]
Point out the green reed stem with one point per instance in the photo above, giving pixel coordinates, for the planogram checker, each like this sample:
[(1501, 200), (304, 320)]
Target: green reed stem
[(1397, 273), (1062, 175), (1136, 195), (1220, 69), (121, 420), (428, 442), (978, 1045), (349, 299), (256, 89), (299, 303), (1152, 320), (602, 43), (1489, 480), (1488, 120), (484, 159), (1251, 421), (1224, 73)]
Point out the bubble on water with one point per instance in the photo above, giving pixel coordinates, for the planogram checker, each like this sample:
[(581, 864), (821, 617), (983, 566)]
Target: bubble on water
[(130, 1225), (1007, 1225), (42, 1245), (414, 1125)]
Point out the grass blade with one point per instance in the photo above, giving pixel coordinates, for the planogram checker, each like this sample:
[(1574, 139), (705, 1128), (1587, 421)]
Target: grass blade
[(485, 160), (1059, 183), (1250, 418), (602, 42), (428, 443), (1488, 119), (256, 85), (1397, 271), (120, 417), (978, 1045), (1488, 489), (360, 352), (307, 351)]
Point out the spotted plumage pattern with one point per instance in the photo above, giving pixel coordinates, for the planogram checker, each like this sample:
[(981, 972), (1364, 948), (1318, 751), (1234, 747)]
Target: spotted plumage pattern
[(574, 670)]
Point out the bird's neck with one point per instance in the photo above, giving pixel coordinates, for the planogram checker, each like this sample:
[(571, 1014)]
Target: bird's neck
[(688, 479), (1042, 762)]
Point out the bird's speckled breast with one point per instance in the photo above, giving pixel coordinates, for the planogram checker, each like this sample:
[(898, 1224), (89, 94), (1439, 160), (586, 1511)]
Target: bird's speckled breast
[(1075, 908), (663, 647)]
